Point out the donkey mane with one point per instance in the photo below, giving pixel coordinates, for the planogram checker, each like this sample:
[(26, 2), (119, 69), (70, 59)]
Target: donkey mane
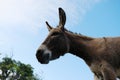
[(78, 35)]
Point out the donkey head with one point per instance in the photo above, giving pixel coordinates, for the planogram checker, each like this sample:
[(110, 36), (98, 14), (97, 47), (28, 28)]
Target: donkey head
[(56, 43)]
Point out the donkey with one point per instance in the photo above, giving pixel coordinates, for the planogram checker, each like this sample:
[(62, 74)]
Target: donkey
[(102, 55)]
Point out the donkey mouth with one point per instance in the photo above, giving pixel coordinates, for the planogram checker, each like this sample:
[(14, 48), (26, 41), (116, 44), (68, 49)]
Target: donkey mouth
[(43, 60)]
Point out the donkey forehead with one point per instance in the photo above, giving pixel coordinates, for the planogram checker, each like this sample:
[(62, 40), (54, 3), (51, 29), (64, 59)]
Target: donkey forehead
[(56, 30)]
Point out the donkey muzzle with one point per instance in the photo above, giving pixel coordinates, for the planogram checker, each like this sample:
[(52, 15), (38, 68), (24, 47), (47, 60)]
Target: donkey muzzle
[(43, 56)]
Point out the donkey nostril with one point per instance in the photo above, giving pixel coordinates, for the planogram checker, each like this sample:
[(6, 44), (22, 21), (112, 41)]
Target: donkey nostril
[(39, 53)]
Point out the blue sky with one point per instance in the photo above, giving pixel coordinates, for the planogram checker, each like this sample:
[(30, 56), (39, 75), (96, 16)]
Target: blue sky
[(22, 30)]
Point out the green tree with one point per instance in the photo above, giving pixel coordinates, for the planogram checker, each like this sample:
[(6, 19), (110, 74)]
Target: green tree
[(15, 70)]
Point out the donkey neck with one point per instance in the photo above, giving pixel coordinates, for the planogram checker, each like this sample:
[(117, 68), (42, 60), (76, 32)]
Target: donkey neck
[(79, 46)]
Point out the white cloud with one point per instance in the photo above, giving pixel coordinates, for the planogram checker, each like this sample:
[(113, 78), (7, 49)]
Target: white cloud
[(29, 16), (33, 13)]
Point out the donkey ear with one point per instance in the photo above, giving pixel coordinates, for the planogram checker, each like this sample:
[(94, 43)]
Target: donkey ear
[(48, 26), (62, 17)]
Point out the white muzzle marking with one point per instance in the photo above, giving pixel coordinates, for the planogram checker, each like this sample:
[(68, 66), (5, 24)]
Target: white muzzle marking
[(46, 50)]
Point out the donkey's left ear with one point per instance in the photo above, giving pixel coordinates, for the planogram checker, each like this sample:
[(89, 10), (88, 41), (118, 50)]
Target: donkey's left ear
[(62, 17), (48, 26)]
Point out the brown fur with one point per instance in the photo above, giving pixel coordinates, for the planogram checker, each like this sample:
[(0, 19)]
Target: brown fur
[(102, 55)]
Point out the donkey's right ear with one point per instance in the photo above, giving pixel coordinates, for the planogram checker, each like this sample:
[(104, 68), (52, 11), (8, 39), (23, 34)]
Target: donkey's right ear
[(48, 26)]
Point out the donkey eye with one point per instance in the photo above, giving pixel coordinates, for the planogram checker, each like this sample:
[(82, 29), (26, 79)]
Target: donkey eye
[(55, 34)]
